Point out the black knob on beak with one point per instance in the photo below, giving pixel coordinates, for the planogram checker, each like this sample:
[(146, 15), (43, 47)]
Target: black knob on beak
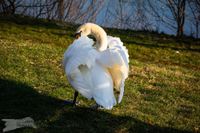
[(77, 35)]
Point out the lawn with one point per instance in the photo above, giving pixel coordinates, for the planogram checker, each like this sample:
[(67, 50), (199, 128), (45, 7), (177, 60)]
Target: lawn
[(162, 93)]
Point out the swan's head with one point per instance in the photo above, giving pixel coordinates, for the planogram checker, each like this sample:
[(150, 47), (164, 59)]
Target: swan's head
[(96, 31), (83, 30)]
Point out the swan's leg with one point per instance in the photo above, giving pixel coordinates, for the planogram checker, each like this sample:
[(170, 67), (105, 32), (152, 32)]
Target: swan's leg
[(73, 103), (75, 96)]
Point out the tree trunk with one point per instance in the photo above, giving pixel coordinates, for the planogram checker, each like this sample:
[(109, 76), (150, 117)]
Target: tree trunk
[(180, 30), (61, 9), (180, 18), (197, 29)]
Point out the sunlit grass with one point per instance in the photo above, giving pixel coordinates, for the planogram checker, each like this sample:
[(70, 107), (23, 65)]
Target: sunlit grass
[(161, 94)]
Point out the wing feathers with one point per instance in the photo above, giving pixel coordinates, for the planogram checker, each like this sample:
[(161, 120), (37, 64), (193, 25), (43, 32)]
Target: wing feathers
[(115, 58)]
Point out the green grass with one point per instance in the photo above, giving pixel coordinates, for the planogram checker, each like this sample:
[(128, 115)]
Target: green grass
[(162, 93)]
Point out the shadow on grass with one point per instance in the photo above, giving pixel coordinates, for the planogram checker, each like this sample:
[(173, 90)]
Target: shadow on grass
[(18, 100)]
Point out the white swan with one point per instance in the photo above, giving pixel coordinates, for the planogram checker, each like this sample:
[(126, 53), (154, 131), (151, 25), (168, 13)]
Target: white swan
[(95, 69)]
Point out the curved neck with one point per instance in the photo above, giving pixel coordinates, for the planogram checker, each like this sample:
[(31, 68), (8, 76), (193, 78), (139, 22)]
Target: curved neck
[(100, 36), (96, 31), (101, 41)]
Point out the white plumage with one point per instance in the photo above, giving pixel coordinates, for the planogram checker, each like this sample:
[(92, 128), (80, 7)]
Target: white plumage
[(94, 73)]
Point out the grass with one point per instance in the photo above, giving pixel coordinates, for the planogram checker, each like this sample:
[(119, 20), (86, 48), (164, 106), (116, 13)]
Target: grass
[(162, 93)]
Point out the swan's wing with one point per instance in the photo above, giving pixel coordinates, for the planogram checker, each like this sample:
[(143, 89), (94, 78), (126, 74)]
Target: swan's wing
[(76, 49), (102, 87), (78, 59), (115, 59)]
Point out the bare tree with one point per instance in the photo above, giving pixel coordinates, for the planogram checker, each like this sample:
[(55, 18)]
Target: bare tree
[(177, 8), (141, 18), (128, 14), (82, 10), (8, 6), (40, 9), (194, 6), (125, 14), (61, 9), (169, 12)]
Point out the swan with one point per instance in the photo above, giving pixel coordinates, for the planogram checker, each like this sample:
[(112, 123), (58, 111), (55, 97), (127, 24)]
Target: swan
[(96, 69)]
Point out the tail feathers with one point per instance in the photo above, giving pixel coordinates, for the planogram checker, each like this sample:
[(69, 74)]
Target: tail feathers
[(106, 103), (121, 91)]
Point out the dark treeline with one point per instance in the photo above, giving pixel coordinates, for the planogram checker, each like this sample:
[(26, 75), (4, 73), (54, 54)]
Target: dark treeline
[(178, 16)]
